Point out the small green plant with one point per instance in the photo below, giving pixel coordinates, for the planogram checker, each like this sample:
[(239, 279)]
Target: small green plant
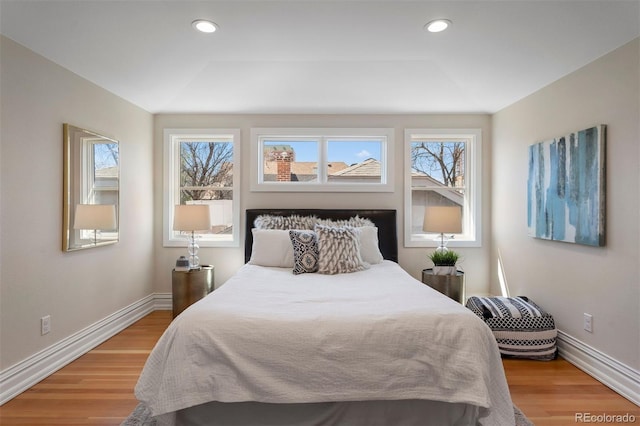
[(444, 258)]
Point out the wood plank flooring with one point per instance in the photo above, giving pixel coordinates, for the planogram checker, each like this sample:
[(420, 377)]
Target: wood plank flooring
[(553, 393), (97, 388)]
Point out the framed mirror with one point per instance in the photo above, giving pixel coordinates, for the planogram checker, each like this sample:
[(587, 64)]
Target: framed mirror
[(91, 189)]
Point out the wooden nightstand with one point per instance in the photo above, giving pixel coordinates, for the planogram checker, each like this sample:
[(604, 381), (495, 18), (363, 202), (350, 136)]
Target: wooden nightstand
[(450, 285), (190, 286)]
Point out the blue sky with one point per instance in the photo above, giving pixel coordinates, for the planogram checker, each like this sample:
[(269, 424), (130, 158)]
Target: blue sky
[(350, 152), (102, 155)]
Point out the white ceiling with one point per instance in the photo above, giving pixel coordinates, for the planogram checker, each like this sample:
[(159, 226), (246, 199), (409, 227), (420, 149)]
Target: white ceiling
[(321, 56)]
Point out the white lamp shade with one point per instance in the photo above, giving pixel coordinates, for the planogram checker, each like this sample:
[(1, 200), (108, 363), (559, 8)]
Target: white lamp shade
[(443, 219), (191, 217), (95, 216)]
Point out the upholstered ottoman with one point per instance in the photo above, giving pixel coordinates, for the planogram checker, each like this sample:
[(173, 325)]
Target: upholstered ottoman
[(521, 328)]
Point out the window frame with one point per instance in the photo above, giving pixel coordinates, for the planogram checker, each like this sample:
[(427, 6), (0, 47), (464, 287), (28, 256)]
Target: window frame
[(472, 208), (171, 185), (322, 136), (88, 183), (89, 188)]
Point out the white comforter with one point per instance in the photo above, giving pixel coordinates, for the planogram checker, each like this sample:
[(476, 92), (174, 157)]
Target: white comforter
[(270, 336)]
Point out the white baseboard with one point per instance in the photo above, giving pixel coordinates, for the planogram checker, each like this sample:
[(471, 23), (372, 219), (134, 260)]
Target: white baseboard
[(612, 373), (163, 301), (21, 376)]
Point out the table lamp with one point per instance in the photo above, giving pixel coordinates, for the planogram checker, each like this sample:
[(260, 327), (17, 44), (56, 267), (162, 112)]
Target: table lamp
[(442, 220), (99, 217), (191, 218)]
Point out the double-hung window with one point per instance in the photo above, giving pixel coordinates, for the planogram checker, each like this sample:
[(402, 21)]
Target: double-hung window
[(100, 182), (201, 166), (100, 178), (442, 169), (323, 160)]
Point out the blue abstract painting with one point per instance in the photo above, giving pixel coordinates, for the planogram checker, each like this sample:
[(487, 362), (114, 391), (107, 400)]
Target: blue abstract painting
[(566, 188)]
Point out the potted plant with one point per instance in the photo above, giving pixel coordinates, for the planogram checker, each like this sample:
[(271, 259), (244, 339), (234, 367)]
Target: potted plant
[(444, 262)]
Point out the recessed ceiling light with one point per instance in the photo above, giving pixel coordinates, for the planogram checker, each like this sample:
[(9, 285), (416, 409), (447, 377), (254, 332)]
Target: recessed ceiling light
[(204, 26), (437, 25)]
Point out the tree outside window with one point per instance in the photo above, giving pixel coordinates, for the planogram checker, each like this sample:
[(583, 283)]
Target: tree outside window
[(442, 161)]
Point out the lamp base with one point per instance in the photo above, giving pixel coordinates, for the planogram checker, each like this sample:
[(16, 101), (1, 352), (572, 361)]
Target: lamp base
[(442, 248), (194, 260)]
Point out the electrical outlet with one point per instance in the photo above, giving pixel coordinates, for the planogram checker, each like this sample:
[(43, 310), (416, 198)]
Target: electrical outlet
[(45, 325), (588, 322)]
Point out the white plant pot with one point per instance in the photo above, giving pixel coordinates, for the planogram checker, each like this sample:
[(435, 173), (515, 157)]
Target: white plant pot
[(444, 270)]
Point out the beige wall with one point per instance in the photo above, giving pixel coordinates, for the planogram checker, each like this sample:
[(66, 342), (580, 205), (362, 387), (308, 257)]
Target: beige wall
[(568, 279), (36, 278), (413, 260), (78, 289)]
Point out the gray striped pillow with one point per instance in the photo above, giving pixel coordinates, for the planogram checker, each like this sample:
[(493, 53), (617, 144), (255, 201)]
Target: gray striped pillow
[(339, 250)]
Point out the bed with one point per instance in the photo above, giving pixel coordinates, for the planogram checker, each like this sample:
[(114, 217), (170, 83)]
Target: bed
[(368, 346)]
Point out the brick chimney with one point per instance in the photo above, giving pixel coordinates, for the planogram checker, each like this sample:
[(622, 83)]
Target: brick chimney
[(283, 161)]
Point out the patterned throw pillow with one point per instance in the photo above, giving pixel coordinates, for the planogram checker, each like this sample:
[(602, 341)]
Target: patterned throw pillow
[(305, 251), (355, 221), (339, 250), (266, 221)]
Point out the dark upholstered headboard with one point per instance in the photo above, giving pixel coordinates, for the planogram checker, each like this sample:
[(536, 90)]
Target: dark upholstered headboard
[(385, 221)]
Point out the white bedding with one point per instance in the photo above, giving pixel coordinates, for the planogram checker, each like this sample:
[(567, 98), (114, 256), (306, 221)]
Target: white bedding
[(270, 336)]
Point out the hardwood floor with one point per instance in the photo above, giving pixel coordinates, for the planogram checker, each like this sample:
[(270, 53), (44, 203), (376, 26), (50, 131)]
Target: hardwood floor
[(553, 393), (97, 388)]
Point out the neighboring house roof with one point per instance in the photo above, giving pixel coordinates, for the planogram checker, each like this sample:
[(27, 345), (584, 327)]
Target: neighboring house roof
[(107, 172), (303, 167), (300, 170), (437, 186), (369, 167), (304, 171)]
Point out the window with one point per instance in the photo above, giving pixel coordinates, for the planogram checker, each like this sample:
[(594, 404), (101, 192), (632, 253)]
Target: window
[(100, 178), (201, 166), (100, 166), (442, 168), (331, 160)]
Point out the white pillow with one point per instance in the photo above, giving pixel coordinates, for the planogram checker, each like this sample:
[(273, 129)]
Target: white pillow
[(271, 247), (369, 249)]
